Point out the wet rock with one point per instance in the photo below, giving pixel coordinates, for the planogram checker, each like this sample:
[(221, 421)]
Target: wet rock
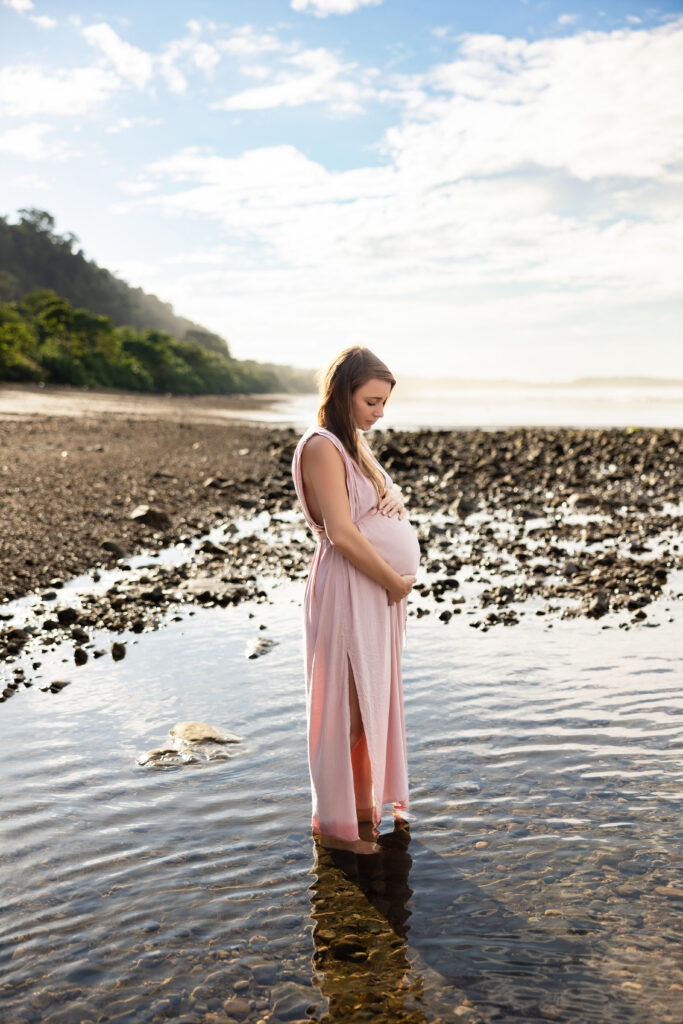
[(17, 634), (196, 732), (289, 1001), (118, 650), (210, 548), (258, 646), (67, 616), (80, 655), (166, 757), (151, 515), (190, 743), (218, 482), (597, 605), (114, 548), (237, 1007), (582, 499), (55, 686)]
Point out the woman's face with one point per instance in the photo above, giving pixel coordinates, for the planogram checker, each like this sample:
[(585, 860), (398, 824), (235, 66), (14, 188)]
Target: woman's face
[(368, 401)]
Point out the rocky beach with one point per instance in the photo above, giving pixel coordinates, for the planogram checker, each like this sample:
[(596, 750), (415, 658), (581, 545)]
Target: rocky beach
[(554, 523), (155, 866)]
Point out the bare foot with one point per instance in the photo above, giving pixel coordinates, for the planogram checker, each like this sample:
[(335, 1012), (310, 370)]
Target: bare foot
[(353, 846)]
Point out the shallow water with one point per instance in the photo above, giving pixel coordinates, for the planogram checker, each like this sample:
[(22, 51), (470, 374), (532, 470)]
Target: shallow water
[(496, 406), (537, 882)]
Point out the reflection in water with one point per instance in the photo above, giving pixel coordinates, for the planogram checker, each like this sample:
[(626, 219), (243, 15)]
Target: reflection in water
[(359, 906), (383, 943)]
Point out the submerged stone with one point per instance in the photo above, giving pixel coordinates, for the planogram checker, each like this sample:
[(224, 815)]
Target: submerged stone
[(190, 743)]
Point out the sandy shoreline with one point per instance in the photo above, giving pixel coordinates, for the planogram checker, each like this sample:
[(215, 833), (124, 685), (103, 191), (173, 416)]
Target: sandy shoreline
[(19, 401), (551, 522)]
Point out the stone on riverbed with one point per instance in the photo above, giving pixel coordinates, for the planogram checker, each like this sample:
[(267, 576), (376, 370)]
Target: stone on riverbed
[(258, 646), (151, 515), (190, 743), (196, 732)]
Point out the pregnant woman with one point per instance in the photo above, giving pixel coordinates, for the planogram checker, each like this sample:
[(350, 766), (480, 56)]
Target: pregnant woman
[(354, 607)]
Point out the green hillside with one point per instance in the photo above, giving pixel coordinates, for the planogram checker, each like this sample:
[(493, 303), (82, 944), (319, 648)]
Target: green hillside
[(65, 320), (33, 256)]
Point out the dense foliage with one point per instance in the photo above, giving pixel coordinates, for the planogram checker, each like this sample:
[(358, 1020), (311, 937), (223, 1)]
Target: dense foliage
[(120, 338), (43, 338), (33, 256)]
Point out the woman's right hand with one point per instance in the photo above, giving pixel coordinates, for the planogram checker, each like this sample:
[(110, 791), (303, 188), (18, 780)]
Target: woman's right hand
[(403, 586)]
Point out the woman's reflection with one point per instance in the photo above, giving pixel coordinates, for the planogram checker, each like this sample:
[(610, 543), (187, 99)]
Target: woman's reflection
[(359, 908)]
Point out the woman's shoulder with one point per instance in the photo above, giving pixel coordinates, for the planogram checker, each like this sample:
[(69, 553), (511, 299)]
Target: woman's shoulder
[(320, 438), (321, 443)]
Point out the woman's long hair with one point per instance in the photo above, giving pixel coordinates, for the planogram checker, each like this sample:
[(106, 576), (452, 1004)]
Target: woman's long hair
[(352, 368)]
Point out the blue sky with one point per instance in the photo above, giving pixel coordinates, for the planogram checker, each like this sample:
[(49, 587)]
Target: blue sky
[(472, 189)]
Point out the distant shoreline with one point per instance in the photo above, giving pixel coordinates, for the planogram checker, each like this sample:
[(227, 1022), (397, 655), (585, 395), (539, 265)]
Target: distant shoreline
[(19, 401)]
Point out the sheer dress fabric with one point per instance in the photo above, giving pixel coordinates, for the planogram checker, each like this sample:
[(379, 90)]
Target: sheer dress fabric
[(348, 623)]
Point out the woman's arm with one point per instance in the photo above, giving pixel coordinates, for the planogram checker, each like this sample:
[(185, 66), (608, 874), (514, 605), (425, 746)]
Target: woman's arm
[(324, 475)]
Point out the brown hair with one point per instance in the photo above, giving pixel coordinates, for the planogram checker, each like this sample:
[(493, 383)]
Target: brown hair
[(352, 368)]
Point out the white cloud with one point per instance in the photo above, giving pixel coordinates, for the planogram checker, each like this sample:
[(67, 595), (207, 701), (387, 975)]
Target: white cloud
[(20, 6), (321, 8), (30, 142), (190, 50), (529, 185), (568, 19), (136, 188), (26, 90), (634, 19), (594, 104), (31, 182), (42, 21), (246, 42), (320, 78), (131, 63), (255, 70), (124, 123)]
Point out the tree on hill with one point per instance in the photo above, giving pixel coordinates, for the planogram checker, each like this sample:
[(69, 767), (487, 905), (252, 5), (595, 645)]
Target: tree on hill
[(43, 338), (34, 256)]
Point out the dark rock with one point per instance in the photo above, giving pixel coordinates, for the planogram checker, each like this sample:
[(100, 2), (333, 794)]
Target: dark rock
[(114, 547), (597, 605), (56, 685), (151, 515), (80, 655), (17, 634), (67, 616), (118, 651)]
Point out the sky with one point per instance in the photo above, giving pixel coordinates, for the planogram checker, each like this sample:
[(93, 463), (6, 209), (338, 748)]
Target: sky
[(472, 189)]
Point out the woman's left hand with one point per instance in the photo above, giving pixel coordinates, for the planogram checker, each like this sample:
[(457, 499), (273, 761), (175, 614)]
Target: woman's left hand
[(391, 503)]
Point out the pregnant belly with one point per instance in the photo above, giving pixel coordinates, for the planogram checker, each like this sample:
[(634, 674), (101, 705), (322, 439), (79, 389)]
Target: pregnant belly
[(394, 539)]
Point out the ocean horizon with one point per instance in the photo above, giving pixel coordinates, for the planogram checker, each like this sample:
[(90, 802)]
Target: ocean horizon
[(496, 405)]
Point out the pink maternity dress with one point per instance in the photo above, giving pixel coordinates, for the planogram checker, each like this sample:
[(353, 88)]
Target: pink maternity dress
[(348, 622)]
